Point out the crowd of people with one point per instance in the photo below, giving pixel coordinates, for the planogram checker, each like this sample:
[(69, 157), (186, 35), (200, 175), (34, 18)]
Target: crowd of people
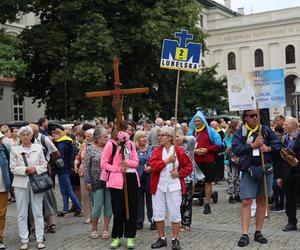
[(153, 166)]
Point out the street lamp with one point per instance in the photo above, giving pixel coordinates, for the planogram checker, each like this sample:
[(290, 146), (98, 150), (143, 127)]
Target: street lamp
[(64, 63)]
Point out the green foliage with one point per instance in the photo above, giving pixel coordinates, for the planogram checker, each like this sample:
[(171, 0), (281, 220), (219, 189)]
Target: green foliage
[(90, 33), (11, 63), (203, 90)]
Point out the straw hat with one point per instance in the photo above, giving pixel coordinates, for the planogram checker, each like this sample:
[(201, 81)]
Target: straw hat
[(289, 156)]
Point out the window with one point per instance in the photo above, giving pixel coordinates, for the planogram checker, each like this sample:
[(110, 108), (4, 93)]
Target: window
[(289, 54), (259, 58), (18, 109), (231, 61), (201, 21)]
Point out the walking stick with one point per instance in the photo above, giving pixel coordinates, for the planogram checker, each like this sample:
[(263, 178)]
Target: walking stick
[(125, 188), (262, 157)]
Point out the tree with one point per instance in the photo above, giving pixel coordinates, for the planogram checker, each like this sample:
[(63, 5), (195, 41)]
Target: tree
[(11, 64), (204, 91), (90, 33)]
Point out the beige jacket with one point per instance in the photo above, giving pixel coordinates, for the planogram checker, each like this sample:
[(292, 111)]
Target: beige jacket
[(35, 158)]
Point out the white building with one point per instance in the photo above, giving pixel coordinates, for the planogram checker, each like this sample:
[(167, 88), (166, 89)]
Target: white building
[(261, 41), (13, 108)]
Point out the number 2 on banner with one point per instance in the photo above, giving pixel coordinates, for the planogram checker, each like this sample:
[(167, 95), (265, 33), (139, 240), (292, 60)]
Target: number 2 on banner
[(181, 54)]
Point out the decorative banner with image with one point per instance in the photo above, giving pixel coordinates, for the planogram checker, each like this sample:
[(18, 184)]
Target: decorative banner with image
[(265, 86)]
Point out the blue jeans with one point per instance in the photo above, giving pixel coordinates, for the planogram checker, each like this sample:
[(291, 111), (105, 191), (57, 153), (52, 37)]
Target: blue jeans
[(67, 191)]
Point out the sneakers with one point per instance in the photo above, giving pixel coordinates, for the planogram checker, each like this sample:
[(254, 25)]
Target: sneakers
[(175, 244), (116, 243), (2, 246), (159, 243), (40, 245), (207, 209), (24, 246), (130, 243)]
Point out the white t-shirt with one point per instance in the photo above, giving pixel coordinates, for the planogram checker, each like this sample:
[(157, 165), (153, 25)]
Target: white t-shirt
[(166, 182)]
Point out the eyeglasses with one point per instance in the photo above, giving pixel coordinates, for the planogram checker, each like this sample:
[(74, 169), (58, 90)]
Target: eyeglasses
[(197, 120), (252, 115), (161, 135)]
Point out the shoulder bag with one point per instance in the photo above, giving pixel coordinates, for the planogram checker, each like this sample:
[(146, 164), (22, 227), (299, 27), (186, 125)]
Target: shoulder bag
[(39, 183)]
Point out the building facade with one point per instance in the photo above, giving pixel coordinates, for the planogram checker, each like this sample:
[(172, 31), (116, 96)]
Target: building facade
[(244, 43), (13, 107)]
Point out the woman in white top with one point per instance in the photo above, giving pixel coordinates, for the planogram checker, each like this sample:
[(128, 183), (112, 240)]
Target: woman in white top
[(24, 194), (169, 166)]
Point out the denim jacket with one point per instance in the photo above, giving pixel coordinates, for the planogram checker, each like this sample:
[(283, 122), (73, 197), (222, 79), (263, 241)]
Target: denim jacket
[(4, 168)]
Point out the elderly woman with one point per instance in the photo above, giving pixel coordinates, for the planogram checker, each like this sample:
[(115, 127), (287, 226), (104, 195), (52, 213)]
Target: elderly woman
[(144, 154), (122, 164), (95, 181), (37, 164), (169, 166), (188, 143)]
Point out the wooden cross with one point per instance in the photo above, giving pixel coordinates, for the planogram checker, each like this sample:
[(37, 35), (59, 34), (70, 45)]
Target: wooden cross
[(117, 94), (117, 104)]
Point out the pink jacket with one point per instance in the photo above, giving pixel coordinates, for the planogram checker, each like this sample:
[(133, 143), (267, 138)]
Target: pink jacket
[(114, 176)]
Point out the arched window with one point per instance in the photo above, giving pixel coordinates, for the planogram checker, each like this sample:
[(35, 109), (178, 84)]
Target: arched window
[(289, 54), (259, 58), (231, 61)]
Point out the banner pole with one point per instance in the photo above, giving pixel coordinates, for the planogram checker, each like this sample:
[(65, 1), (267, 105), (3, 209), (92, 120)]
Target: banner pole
[(176, 109)]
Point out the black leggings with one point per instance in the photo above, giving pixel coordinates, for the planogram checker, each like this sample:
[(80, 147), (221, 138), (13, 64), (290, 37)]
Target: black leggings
[(121, 226)]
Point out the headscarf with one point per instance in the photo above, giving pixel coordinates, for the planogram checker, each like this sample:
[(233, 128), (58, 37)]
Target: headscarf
[(212, 133)]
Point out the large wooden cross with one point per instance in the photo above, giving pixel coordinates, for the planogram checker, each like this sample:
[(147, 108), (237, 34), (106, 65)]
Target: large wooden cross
[(117, 104), (117, 94)]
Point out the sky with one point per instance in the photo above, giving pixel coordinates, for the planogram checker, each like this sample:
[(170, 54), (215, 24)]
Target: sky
[(256, 6)]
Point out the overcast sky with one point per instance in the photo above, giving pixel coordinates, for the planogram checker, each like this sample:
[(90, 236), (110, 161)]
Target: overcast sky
[(255, 6)]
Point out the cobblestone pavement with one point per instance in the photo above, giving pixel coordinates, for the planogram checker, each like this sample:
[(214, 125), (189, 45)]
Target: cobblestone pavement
[(218, 230)]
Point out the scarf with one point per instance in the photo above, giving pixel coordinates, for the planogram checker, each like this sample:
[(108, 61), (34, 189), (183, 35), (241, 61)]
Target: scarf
[(198, 130), (252, 130)]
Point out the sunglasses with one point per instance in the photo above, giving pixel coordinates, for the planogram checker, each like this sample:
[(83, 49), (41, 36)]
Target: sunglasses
[(252, 115)]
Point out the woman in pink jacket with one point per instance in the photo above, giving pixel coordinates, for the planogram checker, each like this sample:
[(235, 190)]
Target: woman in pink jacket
[(112, 160)]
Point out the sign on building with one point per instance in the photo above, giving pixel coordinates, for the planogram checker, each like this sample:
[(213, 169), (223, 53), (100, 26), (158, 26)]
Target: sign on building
[(265, 86)]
